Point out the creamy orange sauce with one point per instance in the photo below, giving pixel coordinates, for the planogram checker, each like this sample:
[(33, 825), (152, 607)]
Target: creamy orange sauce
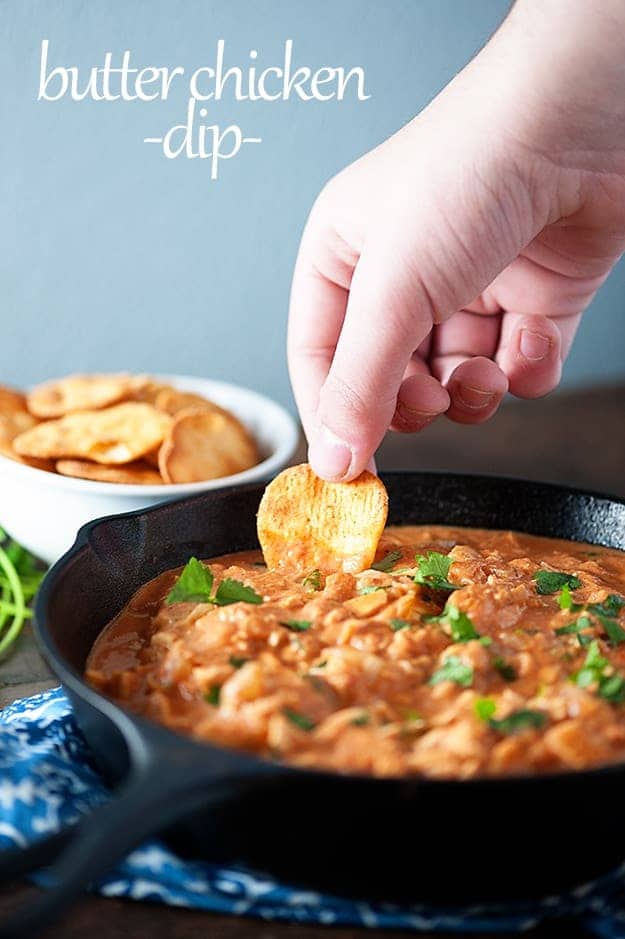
[(374, 684)]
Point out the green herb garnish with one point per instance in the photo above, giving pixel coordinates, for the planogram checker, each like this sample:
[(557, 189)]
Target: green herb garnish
[(387, 562), (565, 600), (611, 606), (361, 720), (236, 661), (507, 671), (484, 708), (453, 669), (297, 625), (299, 720), (312, 580), (485, 640), (518, 720), (212, 696), (460, 625), (432, 571), (582, 622), (551, 581), (593, 673), (397, 624), (20, 577), (365, 591), (195, 585)]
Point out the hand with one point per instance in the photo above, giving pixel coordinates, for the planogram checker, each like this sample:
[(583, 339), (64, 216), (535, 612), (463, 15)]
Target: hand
[(453, 262)]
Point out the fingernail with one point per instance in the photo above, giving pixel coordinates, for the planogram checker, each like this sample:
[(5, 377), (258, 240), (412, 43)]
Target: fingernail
[(413, 416), (474, 398), (533, 346), (329, 456)]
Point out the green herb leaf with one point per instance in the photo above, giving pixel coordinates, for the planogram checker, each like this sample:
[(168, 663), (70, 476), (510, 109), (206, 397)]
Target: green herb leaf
[(453, 669), (565, 600), (518, 720), (582, 622), (460, 625), (387, 562), (236, 661), (432, 571), (507, 671), (194, 584), (233, 591), (484, 708), (611, 606), (485, 640), (313, 580), (397, 624), (212, 696), (361, 720), (299, 720), (611, 687), (365, 591), (297, 625), (614, 632), (551, 581)]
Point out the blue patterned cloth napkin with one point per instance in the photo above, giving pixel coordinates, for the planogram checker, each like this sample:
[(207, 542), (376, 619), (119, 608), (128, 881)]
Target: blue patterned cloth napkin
[(47, 780)]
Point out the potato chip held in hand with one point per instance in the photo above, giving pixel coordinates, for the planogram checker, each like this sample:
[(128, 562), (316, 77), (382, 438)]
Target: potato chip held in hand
[(119, 434), (307, 523)]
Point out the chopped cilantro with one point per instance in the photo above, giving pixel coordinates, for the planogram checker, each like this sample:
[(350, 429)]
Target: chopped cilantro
[(614, 632), (485, 641), (236, 661), (582, 622), (453, 669), (397, 624), (551, 581), (297, 625), (461, 625), (195, 584), (233, 591), (212, 696), (611, 606), (387, 562), (312, 580), (432, 571), (412, 717), (518, 720), (299, 720), (484, 708), (365, 591), (565, 600), (361, 719), (593, 673), (507, 671)]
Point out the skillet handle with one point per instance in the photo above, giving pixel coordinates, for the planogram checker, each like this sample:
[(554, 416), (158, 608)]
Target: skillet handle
[(154, 797)]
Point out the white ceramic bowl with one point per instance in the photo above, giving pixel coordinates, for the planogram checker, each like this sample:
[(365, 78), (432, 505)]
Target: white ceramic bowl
[(43, 511)]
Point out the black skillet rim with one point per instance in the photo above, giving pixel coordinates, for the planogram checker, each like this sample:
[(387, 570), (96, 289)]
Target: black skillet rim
[(134, 723)]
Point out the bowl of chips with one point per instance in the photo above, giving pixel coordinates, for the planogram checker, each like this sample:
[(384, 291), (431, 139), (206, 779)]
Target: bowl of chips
[(83, 446)]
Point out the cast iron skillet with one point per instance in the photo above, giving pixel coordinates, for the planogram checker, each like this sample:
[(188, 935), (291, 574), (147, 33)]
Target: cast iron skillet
[(394, 839)]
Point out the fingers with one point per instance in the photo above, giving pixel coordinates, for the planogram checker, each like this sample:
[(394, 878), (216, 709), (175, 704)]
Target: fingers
[(387, 317), (420, 400), (476, 388), (532, 349)]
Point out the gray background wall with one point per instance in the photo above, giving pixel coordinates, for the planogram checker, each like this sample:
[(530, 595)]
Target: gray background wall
[(113, 257)]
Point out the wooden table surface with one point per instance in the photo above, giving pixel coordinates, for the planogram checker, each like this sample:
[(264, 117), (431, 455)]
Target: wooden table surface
[(574, 438)]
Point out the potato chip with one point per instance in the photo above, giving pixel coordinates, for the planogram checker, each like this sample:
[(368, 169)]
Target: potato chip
[(139, 473), (172, 401), (11, 401), (119, 434), (81, 393), (308, 523), (205, 445)]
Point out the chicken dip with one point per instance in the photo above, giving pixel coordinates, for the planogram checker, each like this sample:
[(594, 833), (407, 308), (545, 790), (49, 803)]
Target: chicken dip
[(459, 653)]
